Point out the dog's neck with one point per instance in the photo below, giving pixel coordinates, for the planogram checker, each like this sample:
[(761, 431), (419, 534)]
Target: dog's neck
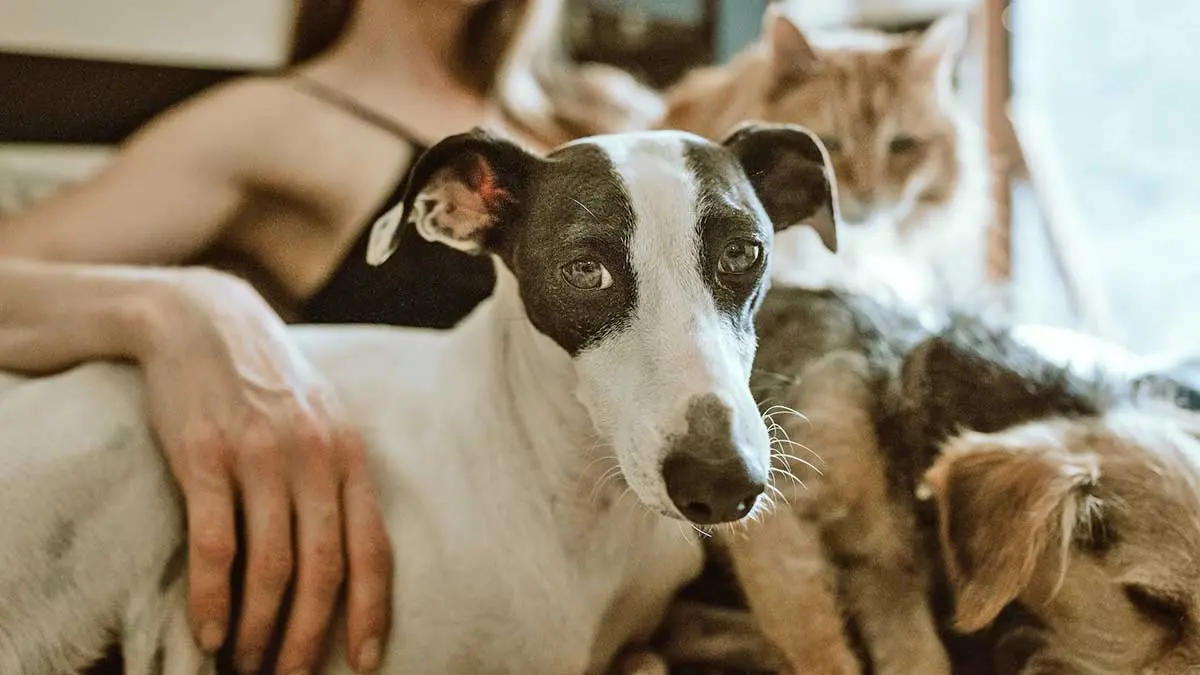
[(535, 380)]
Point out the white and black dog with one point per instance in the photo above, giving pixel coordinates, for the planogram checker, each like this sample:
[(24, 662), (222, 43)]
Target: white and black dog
[(621, 328)]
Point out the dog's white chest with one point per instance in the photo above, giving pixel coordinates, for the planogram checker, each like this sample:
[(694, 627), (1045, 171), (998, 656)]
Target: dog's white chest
[(501, 565), (538, 585)]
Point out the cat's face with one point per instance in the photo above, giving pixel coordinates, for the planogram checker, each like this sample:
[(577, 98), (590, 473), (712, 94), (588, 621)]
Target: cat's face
[(883, 105)]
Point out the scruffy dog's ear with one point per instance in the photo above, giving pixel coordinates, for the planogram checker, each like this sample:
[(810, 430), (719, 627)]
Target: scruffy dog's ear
[(461, 192), (1009, 506), (791, 173)]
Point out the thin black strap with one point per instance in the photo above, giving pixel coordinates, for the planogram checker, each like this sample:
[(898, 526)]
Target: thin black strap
[(347, 103)]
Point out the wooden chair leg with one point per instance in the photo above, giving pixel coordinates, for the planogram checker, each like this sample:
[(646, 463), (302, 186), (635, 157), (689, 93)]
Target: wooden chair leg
[(997, 86), (1020, 140)]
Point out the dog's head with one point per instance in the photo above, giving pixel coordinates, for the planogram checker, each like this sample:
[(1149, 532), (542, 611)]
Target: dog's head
[(1091, 524), (643, 257)]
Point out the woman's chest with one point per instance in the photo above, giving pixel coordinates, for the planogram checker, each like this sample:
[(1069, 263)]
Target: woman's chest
[(305, 211)]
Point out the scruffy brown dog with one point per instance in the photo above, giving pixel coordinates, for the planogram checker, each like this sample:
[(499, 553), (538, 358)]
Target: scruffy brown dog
[(977, 510)]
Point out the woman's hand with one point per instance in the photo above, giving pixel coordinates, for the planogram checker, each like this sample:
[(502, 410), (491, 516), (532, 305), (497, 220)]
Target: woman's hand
[(246, 422)]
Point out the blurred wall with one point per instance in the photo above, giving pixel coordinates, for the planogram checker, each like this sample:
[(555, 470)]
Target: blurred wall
[(91, 72), (239, 34)]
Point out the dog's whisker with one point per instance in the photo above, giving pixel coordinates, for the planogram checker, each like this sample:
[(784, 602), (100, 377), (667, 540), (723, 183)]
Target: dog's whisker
[(801, 460), (613, 472), (781, 459), (585, 208), (802, 446), (763, 508), (771, 413), (782, 454), (782, 377), (596, 461), (628, 489), (791, 475), (789, 458), (787, 409), (775, 427), (775, 492), (764, 505), (684, 533), (778, 408)]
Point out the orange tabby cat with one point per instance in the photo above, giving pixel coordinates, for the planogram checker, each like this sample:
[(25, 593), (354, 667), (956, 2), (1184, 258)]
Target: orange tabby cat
[(910, 167)]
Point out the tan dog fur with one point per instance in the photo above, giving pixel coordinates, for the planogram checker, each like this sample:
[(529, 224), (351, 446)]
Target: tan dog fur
[(1067, 527), (842, 512)]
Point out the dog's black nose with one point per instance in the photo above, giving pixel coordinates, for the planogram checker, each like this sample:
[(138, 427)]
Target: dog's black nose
[(707, 479), (708, 492)]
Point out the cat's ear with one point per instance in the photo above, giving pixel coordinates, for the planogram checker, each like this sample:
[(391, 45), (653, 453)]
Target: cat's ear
[(792, 57), (940, 47)]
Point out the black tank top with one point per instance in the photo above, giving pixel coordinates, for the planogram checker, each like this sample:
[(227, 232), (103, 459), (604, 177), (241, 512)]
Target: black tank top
[(423, 284)]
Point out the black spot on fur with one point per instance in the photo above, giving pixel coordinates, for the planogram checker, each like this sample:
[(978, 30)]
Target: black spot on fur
[(727, 208), (581, 210), (61, 539), (174, 568), (708, 427), (550, 212)]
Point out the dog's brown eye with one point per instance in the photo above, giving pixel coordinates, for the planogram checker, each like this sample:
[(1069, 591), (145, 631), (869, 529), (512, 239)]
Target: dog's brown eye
[(1166, 612), (739, 256), (587, 274), (902, 144)]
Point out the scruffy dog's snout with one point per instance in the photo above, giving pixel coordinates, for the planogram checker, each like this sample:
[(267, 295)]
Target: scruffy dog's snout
[(708, 479)]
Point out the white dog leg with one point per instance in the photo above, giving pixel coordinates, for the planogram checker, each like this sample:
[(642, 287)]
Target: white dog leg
[(89, 517), (156, 636)]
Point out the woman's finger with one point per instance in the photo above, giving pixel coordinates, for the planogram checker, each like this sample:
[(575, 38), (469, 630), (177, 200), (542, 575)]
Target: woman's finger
[(212, 540), (369, 552), (320, 565), (266, 499)]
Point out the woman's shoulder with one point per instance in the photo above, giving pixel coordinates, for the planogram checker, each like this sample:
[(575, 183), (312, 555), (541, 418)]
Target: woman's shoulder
[(264, 126), (229, 127), (259, 107)]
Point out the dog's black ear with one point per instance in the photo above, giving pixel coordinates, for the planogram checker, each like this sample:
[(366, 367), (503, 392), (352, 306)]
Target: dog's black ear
[(791, 173), (461, 192)]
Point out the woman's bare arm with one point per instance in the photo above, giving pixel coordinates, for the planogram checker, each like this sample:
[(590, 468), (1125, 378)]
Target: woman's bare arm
[(243, 419), (165, 196), (55, 316)]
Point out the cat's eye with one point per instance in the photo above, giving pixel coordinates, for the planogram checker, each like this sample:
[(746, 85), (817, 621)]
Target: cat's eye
[(1156, 606), (739, 256), (587, 274), (902, 144), (831, 144)]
